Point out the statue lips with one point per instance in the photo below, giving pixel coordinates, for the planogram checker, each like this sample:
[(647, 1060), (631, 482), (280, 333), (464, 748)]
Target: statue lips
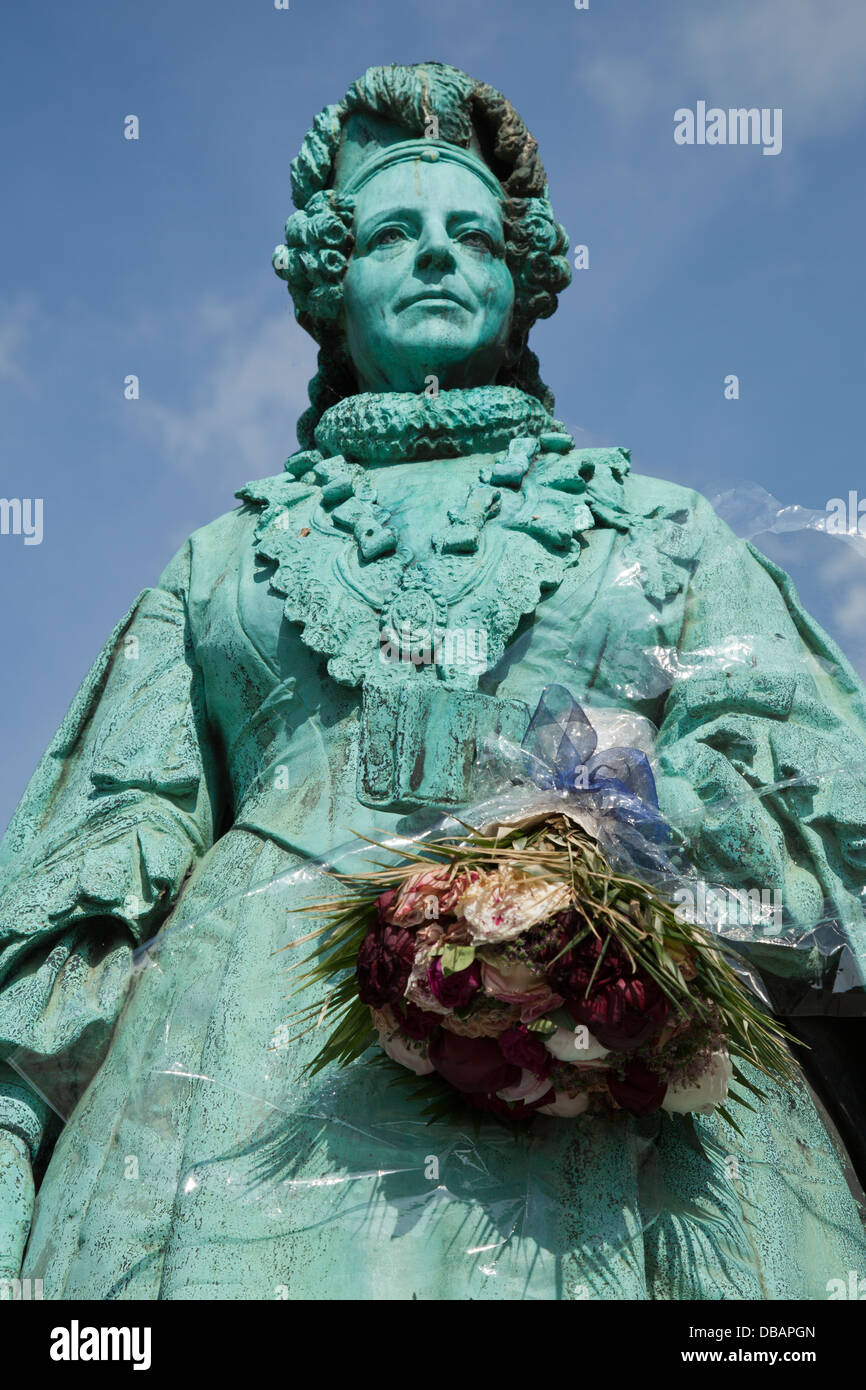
[(433, 296)]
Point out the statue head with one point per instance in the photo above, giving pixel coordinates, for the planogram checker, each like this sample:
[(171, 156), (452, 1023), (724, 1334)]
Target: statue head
[(424, 244), (427, 291)]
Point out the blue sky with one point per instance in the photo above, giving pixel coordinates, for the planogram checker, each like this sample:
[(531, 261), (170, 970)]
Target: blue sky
[(153, 257)]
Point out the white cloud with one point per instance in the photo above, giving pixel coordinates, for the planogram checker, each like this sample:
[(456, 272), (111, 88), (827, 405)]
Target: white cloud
[(17, 319), (844, 574), (240, 415), (627, 86), (801, 53), (804, 56)]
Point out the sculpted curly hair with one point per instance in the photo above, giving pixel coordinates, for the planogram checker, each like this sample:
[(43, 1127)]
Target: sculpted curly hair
[(319, 239)]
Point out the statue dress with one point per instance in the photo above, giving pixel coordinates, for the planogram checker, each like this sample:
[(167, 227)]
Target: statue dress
[(251, 1178), (265, 700)]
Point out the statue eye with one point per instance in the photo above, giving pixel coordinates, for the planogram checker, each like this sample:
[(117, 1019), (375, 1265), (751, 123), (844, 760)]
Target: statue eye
[(477, 241), (389, 236)]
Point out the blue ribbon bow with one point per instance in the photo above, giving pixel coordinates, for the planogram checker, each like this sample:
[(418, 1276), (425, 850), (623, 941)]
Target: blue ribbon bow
[(559, 751)]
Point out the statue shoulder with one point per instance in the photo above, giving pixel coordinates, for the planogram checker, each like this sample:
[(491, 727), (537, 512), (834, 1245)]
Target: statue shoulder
[(677, 520), (649, 497), (631, 502), (263, 502)]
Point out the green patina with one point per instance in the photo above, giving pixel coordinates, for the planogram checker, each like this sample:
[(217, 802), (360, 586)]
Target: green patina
[(330, 657)]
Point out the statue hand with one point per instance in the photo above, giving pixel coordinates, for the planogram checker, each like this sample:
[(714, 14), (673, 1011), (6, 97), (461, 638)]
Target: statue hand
[(16, 1203)]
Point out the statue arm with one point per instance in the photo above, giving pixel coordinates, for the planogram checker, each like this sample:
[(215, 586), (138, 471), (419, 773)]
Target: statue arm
[(119, 810), (762, 748), (16, 1202)]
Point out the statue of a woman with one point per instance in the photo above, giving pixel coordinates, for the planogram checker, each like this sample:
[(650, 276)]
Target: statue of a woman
[(329, 658)]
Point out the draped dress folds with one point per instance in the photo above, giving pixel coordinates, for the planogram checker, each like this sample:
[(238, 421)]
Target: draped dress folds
[(149, 877)]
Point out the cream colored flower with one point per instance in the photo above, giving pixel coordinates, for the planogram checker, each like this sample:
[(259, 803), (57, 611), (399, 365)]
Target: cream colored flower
[(575, 1045), (482, 1023), (504, 904), (428, 936), (418, 990), (384, 1019), (515, 983), (710, 1090)]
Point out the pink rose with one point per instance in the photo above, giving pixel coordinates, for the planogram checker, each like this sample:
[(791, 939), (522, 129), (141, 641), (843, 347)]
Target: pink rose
[(544, 1004), (425, 897), (566, 1107), (528, 1089), (515, 983), (407, 1052)]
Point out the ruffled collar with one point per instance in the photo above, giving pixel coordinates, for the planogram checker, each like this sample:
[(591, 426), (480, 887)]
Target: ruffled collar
[(396, 426)]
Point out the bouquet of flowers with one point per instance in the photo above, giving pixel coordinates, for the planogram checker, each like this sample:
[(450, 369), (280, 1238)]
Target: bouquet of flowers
[(518, 966)]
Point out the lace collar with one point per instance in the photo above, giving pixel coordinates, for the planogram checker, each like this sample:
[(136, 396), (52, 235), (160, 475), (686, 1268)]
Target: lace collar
[(353, 587)]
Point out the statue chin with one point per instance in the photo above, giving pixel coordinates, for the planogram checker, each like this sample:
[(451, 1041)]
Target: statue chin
[(435, 353)]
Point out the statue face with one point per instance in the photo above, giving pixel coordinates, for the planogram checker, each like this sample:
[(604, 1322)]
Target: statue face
[(427, 291)]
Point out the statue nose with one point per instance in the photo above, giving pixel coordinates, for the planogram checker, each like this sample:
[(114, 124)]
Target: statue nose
[(435, 254)]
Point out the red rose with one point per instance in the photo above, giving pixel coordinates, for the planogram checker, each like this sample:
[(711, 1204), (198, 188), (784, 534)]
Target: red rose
[(572, 972), (384, 962), (455, 990), (472, 1064), (509, 1110), (623, 1015), (623, 1008), (640, 1091), (525, 1050), (416, 1023)]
